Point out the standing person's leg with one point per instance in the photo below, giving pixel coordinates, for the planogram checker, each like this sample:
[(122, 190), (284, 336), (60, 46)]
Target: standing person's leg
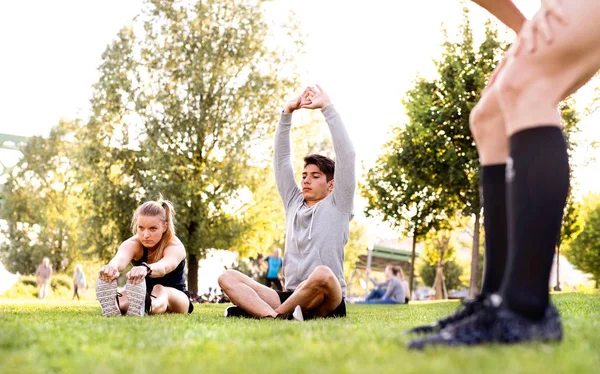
[(529, 90), (253, 297), (278, 285), (318, 296), (268, 282), (489, 132), (44, 289)]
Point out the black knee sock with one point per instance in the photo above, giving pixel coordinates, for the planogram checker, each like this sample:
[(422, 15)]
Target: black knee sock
[(493, 186), (538, 184)]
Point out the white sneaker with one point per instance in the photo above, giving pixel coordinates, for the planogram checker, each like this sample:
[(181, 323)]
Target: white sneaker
[(106, 293), (136, 294)]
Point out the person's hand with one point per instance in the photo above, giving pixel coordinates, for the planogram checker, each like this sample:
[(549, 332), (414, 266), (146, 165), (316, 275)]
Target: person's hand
[(137, 274), (108, 273), (297, 103), (539, 26), (317, 99)]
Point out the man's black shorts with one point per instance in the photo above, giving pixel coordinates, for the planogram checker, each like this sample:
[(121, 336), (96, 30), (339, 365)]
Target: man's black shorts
[(339, 312)]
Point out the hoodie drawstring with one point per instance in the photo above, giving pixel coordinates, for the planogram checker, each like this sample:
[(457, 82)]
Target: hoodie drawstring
[(312, 219)]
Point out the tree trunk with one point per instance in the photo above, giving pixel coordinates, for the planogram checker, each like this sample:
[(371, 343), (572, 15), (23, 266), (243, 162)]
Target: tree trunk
[(557, 287), (193, 273), (438, 284), (412, 267), (473, 284)]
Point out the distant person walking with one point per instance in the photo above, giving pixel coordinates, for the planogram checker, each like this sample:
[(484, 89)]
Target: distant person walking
[(42, 277), (274, 263), (79, 282)]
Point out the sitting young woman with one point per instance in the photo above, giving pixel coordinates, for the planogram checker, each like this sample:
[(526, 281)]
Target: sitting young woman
[(394, 293), (156, 282)]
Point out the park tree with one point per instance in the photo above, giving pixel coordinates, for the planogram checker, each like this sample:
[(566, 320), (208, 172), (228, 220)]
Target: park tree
[(584, 251), (571, 225), (428, 271), (440, 160), (41, 203), (398, 198), (438, 250), (187, 94), (357, 245)]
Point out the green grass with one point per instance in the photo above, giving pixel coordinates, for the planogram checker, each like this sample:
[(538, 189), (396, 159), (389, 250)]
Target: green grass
[(74, 337)]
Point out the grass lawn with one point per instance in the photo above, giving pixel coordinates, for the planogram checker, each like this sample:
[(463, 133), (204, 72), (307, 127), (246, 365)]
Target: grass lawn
[(75, 337)]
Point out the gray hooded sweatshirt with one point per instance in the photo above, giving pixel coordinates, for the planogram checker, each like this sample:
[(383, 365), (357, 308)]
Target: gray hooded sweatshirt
[(316, 235)]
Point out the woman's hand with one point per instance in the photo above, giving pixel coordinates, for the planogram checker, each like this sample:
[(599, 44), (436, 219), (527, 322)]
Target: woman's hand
[(317, 99), (108, 273), (137, 274), (539, 25)]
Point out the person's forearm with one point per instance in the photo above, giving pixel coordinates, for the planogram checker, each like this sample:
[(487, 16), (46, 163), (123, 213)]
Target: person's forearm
[(282, 160), (506, 11), (345, 160), (160, 269), (119, 262)]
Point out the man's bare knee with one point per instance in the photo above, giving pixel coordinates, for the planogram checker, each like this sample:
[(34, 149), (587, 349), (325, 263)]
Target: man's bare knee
[(228, 279), (486, 118), (322, 277)]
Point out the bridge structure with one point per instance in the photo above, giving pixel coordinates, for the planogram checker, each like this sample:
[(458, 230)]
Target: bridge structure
[(13, 143)]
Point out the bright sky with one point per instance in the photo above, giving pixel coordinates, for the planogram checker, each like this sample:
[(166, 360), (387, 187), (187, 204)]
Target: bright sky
[(366, 54)]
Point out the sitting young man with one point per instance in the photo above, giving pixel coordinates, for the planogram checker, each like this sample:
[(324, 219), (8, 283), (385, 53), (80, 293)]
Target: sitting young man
[(317, 227)]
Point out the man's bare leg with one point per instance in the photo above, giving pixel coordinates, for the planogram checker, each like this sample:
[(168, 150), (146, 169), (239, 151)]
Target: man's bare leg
[(318, 296), (253, 297)]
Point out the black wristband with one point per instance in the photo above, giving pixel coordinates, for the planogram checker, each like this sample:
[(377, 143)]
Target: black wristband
[(147, 268)]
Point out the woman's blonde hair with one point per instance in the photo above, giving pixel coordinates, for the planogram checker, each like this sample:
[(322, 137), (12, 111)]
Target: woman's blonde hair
[(165, 211)]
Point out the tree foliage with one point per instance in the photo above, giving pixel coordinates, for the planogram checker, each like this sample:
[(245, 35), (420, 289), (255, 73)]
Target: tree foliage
[(452, 273), (41, 204), (188, 94), (429, 171), (440, 252), (584, 251)]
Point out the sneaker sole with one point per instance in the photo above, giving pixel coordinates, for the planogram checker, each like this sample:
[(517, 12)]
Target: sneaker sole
[(136, 294), (106, 293)]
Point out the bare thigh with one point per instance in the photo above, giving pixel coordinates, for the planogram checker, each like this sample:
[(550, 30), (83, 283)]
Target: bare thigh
[(267, 294), (178, 301), (554, 71)]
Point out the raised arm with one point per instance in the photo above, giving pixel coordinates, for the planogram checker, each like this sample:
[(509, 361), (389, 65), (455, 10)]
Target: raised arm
[(282, 162), (506, 11), (345, 157)]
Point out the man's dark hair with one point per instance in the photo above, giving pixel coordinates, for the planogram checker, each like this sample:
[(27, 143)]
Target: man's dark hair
[(325, 164)]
